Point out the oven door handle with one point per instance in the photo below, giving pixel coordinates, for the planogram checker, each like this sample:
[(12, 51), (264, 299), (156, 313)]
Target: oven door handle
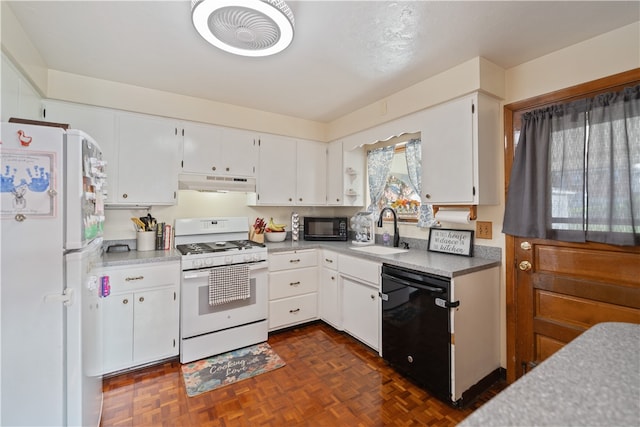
[(413, 284), (195, 274)]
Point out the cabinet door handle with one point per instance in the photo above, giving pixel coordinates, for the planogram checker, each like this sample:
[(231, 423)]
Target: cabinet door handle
[(294, 311), (294, 283), (141, 299), (428, 196), (330, 261), (129, 279), (213, 168), (373, 296), (333, 277), (294, 260), (125, 301)]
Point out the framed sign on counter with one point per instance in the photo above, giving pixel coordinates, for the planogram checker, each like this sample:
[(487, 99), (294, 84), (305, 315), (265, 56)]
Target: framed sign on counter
[(449, 241)]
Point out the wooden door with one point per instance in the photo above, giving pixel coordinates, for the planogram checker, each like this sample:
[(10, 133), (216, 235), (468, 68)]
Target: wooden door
[(565, 288), (556, 290)]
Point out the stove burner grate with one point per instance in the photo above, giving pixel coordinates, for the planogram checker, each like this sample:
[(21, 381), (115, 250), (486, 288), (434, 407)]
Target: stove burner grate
[(205, 248)]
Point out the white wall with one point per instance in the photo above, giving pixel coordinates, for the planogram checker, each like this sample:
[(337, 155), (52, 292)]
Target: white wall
[(602, 56), (18, 47), (87, 90), (473, 75), (193, 204)]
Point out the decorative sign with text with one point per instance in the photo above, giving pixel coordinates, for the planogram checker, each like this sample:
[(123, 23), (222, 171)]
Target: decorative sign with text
[(456, 242)]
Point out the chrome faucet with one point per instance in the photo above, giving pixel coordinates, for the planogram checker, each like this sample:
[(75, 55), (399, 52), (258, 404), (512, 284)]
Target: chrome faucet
[(396, 233)]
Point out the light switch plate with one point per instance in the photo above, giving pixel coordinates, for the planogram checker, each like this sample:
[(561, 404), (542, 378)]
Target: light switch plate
[(484, 229)]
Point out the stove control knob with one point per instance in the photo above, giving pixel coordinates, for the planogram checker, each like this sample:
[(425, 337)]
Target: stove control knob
[(197, 263), (208, 261), (228, 260)]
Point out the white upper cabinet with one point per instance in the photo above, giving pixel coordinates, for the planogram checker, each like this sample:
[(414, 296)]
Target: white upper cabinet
[(100, 123), (240, 152), (19, 99), (201, 148), (311, 173), (276, 184), (142, 151), (335, 174), (148, 160), (291, 172), (214, 150), (461, 152)]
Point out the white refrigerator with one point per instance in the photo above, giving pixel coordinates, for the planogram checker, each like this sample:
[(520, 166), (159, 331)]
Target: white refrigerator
[(52, 190)]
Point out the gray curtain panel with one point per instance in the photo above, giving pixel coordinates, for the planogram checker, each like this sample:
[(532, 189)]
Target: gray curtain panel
[(576, 172)]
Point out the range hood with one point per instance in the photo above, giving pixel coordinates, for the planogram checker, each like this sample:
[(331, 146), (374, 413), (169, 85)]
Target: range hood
[(216, 183)]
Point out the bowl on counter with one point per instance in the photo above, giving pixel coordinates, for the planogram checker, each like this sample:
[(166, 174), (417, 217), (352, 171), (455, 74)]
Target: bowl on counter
[(275, 236)]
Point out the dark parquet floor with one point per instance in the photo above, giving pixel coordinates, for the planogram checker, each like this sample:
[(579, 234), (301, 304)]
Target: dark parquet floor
[(329, 379)]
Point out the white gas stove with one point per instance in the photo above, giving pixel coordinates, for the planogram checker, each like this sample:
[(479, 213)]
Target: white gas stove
[(216, 255), (211, 242)]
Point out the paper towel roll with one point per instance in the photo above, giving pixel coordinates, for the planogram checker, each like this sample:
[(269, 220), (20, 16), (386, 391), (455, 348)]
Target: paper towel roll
[(459, 217)]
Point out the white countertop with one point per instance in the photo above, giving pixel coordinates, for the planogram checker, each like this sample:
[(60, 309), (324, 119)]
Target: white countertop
[(417, 259), (592, 381)]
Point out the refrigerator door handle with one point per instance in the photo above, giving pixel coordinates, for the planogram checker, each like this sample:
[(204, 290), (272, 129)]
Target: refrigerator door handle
[(66, 298)]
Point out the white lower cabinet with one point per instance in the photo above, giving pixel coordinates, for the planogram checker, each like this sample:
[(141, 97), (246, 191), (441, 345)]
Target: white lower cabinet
[(360, 311), (293, 286), (360, 301), (141, 316), (329, 291)]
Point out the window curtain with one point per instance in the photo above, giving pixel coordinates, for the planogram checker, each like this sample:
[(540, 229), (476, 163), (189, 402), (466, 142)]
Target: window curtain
[(413, 154), (378, 168), (576, 172)]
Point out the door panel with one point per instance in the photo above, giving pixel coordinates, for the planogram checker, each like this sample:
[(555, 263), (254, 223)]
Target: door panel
[(597, 264), (565, 288)]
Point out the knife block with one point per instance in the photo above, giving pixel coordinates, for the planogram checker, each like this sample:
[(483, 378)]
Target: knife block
[(255, 237)]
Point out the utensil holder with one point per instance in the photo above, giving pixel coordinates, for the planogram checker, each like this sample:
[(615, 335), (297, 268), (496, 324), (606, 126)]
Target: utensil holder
[(146, 241)]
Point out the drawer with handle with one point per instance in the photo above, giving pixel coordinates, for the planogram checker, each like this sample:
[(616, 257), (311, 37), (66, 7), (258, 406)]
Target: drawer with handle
[(289, 283), (293, 259), (329, 259), (137, 277), (290, 311)]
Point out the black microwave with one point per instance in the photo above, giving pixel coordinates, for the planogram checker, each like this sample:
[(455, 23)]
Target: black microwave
[(325, 228)]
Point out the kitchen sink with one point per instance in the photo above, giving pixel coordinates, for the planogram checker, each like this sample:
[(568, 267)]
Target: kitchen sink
[(379, 250)]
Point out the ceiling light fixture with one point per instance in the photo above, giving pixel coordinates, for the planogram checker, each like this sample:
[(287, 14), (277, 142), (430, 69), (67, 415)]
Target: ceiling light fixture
[(244, 27)]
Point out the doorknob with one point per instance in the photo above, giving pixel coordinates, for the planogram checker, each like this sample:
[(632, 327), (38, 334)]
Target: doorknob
[(525, 245), (524, 266)]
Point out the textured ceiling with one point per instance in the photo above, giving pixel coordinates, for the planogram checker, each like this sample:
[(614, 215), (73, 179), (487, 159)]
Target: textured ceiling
[(344, 55)]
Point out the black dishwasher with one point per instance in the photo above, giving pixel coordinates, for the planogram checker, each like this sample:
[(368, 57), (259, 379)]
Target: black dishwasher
[(416, 338)]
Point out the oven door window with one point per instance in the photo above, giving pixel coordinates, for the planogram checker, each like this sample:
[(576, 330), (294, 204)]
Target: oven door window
[(203, 301)]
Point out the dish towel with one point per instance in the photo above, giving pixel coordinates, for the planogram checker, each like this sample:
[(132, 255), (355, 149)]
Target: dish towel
[(229, 283)]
